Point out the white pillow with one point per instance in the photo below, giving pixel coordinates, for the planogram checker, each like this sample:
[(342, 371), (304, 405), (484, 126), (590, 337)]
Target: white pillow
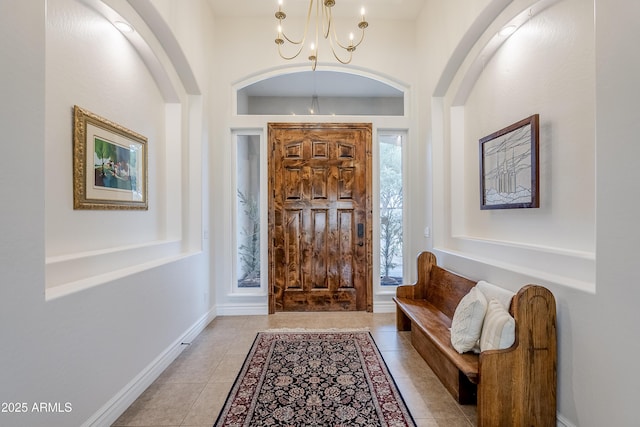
[(466, 325), (499, 329), (492, 291)]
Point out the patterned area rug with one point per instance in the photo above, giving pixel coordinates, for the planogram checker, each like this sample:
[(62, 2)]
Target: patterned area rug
[(314, 379)]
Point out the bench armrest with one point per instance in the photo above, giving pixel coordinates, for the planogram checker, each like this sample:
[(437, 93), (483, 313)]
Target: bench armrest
[(517, 385), (418, 290)]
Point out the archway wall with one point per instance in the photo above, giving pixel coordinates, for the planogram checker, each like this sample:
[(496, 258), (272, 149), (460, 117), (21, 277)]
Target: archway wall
[(483, 84), (337, 92), (546, 67)]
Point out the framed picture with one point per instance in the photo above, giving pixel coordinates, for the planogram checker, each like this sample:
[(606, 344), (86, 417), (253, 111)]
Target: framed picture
[(509, 175), (109, 164)]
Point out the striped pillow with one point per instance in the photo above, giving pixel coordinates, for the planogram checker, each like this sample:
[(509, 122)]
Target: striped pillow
[(499, 328)]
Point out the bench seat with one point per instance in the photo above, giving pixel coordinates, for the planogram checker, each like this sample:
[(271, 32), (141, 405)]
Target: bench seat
[(430, 321), (431, 337)]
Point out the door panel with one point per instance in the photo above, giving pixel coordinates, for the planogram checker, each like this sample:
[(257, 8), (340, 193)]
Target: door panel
[(319, 187)]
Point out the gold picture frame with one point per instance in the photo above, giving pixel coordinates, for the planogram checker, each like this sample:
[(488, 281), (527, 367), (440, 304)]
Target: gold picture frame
[(109, 164)]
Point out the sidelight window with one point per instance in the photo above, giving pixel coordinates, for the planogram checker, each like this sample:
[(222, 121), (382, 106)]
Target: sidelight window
[(391, 208), (248, 211)]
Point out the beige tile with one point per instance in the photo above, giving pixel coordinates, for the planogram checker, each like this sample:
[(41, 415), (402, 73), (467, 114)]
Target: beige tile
[(444, 408), (141, 416), (442, 422), (209, 404), (195, 365), (415, 403), (471, 412), (195, 373), (407, 364), (193, 389), (225, 323), (167, 395), (386, 320), (241, 345), (256, 324), (388, 340), (228, 369)]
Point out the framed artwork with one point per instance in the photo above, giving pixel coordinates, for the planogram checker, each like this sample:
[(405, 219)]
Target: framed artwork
[(509, 167), (109, 164)]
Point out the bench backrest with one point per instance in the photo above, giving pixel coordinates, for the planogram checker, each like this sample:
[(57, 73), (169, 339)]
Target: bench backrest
[(440, 287), (445, 290)]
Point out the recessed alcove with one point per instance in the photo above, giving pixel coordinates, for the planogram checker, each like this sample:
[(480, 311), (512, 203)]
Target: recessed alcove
[(331, 93), (487, 93)]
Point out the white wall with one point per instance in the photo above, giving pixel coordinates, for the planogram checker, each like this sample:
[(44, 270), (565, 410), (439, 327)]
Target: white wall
[(613, 315), (97, 341), (574, 65)]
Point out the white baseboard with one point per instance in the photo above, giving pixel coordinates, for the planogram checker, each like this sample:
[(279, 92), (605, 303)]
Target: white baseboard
[(384, 307), (563, 422), (119, 403), (242, 309)]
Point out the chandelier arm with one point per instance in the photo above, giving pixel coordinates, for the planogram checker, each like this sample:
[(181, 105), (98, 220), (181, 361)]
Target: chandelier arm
[(293, 41), (327, 18), (335, 38), (315, 52), (335, 55), (306, 29), (289, 57), (351, 45)]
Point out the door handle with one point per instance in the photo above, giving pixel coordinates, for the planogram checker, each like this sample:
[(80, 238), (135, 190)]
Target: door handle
[(360, 230)]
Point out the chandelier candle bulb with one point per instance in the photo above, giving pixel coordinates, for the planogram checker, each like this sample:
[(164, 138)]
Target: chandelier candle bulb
[(350, 48), (280, 15)]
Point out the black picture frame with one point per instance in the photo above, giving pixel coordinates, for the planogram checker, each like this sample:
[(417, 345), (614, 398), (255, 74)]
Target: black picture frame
[(509, 166)]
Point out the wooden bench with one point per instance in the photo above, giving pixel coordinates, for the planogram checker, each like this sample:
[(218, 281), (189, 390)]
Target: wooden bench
[(512, 387)]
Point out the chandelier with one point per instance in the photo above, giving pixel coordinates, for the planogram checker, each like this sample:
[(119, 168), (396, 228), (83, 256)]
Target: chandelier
[(343, 52)]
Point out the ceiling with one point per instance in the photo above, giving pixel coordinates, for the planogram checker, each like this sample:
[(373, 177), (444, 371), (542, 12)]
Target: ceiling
[(375, 9), (320, 83)]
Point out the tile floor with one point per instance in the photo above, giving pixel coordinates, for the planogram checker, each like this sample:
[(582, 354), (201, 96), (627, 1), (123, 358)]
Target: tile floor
[(193, 389)]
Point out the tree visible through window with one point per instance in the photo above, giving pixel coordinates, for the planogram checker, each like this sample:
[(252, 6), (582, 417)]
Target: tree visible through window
[(248, 211), (391, 205)]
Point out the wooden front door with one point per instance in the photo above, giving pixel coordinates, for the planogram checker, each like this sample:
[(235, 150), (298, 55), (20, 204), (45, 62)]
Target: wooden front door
[(319, 217)]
